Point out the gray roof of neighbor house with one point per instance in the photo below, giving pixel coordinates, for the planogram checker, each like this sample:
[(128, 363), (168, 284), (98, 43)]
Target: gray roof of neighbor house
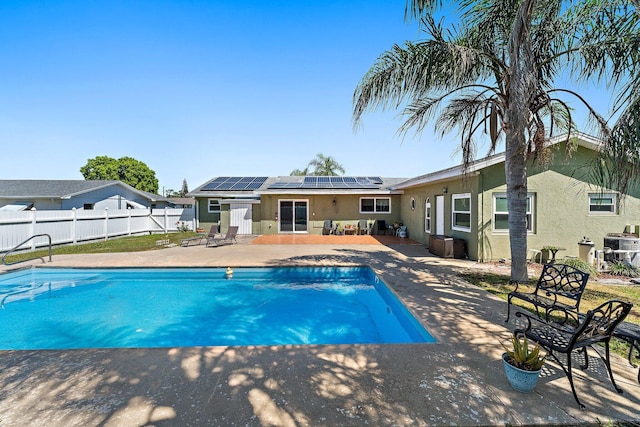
[(181, 200), (253, 187), (456, 172), (62, 189)]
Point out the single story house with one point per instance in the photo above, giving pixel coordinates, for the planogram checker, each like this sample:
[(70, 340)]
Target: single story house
[(295, 204), (18, 195), (564, 205)]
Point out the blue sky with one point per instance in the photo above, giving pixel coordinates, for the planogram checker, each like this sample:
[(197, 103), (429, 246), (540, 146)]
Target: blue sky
[(198, 89)]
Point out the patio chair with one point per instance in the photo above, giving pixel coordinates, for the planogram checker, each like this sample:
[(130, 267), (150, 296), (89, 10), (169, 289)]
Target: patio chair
[(229, 238), (201, 237), (595, 327), (363, 227), (382, 226), (327, 228)]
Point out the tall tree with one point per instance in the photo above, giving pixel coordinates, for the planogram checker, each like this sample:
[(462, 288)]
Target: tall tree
[(495, 73), (185, 188), (325, 166), (125, 169), (321, 165)]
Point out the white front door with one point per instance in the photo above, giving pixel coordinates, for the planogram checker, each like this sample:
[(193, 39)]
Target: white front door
[(439, 214), (241, 216)]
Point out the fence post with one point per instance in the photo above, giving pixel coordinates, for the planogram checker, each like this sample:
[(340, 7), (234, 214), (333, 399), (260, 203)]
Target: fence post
[(129, 222), (166, 221), (106, 223), (74, 225), (34, 222)]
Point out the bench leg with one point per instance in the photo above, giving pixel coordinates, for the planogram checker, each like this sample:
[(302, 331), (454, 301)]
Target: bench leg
[(567, 371)]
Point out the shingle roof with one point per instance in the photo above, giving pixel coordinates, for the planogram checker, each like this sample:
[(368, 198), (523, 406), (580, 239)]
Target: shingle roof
[(27, 188)]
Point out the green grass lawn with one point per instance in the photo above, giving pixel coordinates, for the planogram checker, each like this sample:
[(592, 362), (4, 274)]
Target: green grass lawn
[(595, 294), (120, 244)]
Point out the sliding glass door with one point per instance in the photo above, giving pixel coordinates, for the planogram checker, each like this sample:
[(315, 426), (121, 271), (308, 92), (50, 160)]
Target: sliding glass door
[(293, 216)]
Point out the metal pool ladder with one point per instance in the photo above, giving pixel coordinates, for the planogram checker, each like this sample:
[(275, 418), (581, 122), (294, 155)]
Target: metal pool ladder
[(29, 259)]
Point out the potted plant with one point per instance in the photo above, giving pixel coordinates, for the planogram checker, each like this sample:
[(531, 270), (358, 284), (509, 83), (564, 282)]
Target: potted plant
[(522, 365)]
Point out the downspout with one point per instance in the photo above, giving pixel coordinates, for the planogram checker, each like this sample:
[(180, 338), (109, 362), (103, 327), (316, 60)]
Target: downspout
[(481, 245)]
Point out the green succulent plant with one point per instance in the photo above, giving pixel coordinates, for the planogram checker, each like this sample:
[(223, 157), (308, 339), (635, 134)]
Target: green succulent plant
[(522, 357)]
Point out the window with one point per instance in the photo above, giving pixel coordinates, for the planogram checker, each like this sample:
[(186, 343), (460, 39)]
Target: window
[(88, 206), (501, 213), (375, 205), (427, 215), (602, 203), (461, 213), (214, 206)]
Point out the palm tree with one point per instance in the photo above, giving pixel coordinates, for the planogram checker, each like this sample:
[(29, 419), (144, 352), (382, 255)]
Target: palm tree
[(325, 166), (495, 74), (298, 172)]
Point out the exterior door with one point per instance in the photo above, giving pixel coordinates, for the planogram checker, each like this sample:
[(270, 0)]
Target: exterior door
[(293, 216), (240, 215), (439, 214)]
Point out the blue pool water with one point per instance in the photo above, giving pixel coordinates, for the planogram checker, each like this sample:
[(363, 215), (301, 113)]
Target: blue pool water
[(50, 308)]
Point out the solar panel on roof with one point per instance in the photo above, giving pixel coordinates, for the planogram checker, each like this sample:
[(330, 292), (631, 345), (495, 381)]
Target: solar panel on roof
[(329, 182), (235, 183)]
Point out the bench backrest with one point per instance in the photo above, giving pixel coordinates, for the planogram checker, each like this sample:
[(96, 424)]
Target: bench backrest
[(598, 324), (563, 281)]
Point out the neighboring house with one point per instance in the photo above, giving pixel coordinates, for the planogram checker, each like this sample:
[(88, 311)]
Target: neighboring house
[(563, 204), (181, 202), (17, 195), (295, 204)]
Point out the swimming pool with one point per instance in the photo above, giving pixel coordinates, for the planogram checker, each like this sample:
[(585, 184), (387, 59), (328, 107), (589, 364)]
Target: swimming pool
[(67, 308)]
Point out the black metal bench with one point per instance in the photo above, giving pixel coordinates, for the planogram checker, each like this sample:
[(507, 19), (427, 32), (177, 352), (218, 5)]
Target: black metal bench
[(630, 333), (558, 293), (596, 326)]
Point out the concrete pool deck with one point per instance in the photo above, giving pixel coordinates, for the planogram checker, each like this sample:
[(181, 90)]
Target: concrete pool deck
[(457, 381)]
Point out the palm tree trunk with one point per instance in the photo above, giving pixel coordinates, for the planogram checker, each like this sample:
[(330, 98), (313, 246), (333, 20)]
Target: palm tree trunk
[(516, 176), (521, 87)]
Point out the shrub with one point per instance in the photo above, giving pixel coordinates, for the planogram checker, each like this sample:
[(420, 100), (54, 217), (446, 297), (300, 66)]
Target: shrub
[(182, 226), (623, 269), (580, 265)]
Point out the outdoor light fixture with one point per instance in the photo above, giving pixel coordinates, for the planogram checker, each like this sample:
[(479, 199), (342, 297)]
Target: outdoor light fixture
[(334, 201), (445, 189)]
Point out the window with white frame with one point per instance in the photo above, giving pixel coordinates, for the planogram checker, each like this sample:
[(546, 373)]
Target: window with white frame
[(501, 213), (214, 206), (461, 212), (375, 205), (427, 215), (602, 203)]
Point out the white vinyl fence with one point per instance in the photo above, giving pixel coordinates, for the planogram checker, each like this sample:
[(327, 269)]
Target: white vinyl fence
[(83, 225)]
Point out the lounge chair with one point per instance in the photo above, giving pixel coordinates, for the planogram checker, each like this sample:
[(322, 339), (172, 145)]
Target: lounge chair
[(201, 237), (228, 238)]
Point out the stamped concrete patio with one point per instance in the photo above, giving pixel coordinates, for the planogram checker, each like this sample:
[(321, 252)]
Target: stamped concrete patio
[(457, 381)]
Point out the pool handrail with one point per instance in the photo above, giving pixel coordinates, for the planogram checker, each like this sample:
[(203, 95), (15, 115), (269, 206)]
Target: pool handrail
[(28, 259)]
